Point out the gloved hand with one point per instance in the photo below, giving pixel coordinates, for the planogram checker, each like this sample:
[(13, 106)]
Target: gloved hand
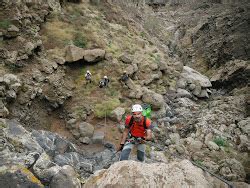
[(120, 147)]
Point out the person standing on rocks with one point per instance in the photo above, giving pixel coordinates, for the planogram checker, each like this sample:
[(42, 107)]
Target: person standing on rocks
[(137, 131), (88, 77), (104, 82), (124, 78)]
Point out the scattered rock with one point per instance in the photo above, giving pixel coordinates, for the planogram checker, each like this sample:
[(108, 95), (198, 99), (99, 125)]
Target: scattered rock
[(86, 129), (66, 177)]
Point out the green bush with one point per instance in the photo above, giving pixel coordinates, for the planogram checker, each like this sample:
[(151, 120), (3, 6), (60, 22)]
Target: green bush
[(220, 141), (4, 24), (80, 41), (106, 107), (199, 162)]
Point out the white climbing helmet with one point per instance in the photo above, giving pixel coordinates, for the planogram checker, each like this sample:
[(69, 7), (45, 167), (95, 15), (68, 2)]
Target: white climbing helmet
[(105, 77), (136, 108), (88, 71)]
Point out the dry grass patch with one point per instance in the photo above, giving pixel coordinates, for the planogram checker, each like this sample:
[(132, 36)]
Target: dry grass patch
[(58, 33)]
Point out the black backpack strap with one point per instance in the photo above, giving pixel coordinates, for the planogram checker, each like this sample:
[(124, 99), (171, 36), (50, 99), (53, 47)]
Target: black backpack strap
[(131, 122), (145, 122)]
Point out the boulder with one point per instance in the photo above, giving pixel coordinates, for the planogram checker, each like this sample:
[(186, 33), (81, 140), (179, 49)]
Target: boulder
[(18, 135), (191, 75), (212, 146), (232, 170), (195, 146), (126, 58), (94, 55), (98, 137), (117, 114), (86, 129), (176, 174), (66, 177), (183, 93), (244, 125), (73, 53), (154, 99), (54, 5), (18, 176), (131, 69), (44, 168)]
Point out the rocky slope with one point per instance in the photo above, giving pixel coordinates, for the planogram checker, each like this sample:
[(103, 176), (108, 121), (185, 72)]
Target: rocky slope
[(201, 110)]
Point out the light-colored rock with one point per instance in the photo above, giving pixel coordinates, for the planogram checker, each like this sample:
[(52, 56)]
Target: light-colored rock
[(44, 168), (175, 138), (126, 58), (10, 79), (94, 55), (86, 129), (54, 5), (85, 140), (244, 125), (208, 137), (66, 177), (195, 146), (131, 69), (232, 170), (29, 47), (183, 93), (154, 99), (213, 146), (117, 114), (73, 53), (194, 76), (158, 156), (177, 174)]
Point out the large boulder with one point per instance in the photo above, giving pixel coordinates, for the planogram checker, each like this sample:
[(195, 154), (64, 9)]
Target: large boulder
[(86, 129), (117, 114), (155, 99), (136, 174), (73, 53), (21, 137), (193, 76), (94, 55), (18, 176)]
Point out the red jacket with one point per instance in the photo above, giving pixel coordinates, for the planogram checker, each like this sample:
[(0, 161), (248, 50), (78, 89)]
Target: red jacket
[(137, 128)]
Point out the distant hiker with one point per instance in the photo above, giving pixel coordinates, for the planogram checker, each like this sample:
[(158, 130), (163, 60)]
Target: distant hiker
[(88, 76), (124, 78), (137, 131), (104, 82)]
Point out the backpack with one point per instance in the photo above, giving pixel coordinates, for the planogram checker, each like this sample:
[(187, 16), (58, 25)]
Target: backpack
[(146, 110)]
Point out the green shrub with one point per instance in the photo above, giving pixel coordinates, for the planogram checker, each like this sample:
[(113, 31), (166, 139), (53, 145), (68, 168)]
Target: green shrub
[(199, 162), (220, 141), (106, 107), (80, 41), (4, 24)]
